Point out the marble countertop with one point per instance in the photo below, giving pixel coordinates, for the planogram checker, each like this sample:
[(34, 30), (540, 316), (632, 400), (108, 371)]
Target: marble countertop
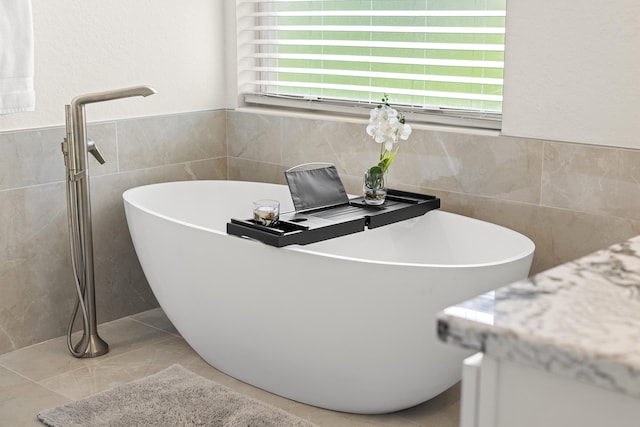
[(580, 319)]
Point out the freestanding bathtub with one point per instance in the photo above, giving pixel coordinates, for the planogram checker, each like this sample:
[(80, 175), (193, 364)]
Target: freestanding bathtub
[(346, 324)]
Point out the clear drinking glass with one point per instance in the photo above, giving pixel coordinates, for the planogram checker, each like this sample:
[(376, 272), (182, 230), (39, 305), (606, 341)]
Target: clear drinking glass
[(266, 212)]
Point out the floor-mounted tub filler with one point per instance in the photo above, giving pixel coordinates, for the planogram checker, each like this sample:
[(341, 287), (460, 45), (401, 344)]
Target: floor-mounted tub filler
[(76, 147), (346, 324)]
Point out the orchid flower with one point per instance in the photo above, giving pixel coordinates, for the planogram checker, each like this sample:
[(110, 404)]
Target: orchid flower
[(387, 127)]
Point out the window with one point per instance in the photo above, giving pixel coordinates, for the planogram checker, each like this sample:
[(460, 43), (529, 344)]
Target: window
[(441, 60)]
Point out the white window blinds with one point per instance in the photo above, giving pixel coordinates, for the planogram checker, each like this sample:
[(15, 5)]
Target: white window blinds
[(442, 57)]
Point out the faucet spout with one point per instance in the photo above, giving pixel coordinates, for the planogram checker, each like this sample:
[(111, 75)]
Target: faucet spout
[(111, 95)]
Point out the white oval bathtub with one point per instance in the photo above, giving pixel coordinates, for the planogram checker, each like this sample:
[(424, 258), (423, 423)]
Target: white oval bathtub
[(346, 324)]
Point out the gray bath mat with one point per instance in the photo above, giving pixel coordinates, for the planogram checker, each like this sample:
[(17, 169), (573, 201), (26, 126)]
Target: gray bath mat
[(172, 397)]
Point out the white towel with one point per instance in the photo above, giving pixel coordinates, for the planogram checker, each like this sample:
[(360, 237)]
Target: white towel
[(16, 57)]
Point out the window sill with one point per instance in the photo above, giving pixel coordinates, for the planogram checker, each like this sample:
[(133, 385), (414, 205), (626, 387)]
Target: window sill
[(361, 118)]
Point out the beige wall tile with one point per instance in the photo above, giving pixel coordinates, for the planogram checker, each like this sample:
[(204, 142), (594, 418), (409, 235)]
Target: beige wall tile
[(500, 167), (104, 137), (34, 157), (250, 170), (254, 137), (592, 179), (30, 158), (36, 283), (344, 144), (566, 235), (159, 141)]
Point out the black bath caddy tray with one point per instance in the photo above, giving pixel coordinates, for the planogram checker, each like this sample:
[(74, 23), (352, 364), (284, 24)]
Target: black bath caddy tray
[(315, 225)]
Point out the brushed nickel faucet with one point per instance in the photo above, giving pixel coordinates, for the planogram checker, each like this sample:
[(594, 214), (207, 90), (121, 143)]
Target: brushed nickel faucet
[(75, 149)]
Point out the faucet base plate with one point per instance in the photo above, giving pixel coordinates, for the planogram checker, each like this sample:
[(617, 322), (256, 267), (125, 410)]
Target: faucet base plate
[(97, 347)]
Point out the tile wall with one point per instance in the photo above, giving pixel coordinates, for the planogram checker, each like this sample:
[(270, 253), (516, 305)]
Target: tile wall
[(570, 199), (36, 284)]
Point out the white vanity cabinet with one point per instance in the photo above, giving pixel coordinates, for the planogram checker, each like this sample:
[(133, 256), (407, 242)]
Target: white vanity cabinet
[(499, 393)]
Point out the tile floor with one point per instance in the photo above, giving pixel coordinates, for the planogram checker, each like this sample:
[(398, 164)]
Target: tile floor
[(45, 375)]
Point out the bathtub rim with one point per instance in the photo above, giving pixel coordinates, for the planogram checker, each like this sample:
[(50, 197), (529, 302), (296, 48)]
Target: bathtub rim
[(307, 249)]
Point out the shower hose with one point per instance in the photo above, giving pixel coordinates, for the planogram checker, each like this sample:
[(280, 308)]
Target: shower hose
[(76, 263)]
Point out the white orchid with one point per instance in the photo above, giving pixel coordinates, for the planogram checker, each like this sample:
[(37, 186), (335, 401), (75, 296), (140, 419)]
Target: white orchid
[(387, 127)]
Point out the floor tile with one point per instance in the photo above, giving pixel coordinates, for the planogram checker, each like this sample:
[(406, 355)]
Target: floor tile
[(157, 319), (42, 360), (441, 411), (21, 400), (52, 358), (135, 364)]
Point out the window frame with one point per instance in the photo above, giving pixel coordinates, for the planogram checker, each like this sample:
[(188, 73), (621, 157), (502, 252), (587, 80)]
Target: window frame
[(428, 116)]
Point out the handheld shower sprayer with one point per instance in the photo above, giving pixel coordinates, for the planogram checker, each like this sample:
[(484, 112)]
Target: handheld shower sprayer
[(75, 149)]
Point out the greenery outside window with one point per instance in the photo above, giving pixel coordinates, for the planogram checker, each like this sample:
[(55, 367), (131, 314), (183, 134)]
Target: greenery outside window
[(438, 60)]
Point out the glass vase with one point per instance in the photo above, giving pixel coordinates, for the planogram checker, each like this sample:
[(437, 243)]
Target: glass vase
[(374, 188)]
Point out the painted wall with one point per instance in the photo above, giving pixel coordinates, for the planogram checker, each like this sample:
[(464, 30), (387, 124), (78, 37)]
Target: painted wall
[(85, 46), (571, 71)]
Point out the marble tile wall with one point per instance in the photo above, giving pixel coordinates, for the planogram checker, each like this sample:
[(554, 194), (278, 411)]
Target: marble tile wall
[(36, 285), (570, 199)]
